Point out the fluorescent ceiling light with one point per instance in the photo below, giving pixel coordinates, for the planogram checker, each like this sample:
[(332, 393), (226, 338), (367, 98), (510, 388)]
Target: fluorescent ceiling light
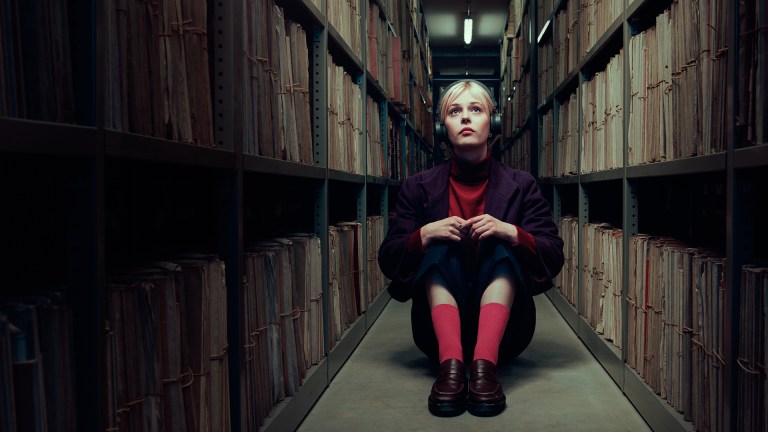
[(543, 32), (467, 30)]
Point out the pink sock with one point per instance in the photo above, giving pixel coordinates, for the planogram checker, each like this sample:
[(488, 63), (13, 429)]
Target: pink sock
[(447, 324), (490, 330)]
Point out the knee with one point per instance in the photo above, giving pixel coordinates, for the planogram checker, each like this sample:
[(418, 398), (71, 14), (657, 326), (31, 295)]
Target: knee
[(502, 285), (438, 291), (503, 269)]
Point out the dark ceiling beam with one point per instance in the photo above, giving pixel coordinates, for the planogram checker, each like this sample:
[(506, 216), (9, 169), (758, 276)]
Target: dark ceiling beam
[(464, 53), (489, 81)]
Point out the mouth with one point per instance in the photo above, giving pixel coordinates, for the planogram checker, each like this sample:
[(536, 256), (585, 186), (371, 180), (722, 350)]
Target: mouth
[(466, 131)]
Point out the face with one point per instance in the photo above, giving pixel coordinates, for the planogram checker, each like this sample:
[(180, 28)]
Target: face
[(468, 123)]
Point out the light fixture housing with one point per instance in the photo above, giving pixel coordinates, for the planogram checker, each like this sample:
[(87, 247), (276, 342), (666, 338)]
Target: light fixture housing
[(468, 25)]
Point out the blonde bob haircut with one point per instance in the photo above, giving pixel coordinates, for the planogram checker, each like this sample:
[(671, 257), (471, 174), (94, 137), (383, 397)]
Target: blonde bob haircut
[(454, 90)]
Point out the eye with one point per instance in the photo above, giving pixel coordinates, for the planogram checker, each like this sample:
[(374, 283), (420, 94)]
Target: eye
[(476, 109), (453, 111)]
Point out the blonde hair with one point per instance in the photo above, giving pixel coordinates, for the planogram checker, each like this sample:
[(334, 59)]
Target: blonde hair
[(454, 90)]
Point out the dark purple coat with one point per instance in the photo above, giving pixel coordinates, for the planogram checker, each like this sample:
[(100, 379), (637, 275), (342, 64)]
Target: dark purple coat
[(513, 197)]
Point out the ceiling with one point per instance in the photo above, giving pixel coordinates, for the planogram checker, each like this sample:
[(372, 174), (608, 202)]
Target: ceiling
[(451, 59)]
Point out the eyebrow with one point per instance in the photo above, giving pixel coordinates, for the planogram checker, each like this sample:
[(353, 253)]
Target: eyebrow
[(470, 104)]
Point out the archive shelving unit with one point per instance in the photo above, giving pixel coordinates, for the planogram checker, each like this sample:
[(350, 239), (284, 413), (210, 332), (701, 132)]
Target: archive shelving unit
[(709, 200), (90, 200)]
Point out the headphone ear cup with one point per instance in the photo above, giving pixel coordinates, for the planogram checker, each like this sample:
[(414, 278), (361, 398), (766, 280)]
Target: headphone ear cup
[(496, 123), (441, 134)]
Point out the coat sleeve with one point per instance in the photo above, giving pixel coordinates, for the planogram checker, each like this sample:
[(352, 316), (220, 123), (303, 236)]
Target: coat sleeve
[(543, 265), (398, 262)]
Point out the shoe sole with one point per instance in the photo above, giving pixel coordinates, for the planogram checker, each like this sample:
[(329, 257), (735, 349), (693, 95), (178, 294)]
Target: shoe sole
[(446, 409), (486, 409)]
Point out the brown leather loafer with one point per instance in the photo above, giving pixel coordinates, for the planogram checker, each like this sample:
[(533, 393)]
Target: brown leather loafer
[(486, 397), (449, 392)]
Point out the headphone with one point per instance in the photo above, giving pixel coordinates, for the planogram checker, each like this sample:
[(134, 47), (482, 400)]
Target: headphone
[(441, 132)]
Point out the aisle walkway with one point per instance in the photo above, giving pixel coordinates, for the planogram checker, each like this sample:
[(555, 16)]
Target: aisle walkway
[(555, 385)]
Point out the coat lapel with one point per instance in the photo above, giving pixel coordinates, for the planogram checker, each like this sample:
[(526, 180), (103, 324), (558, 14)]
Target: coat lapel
[(501, 189), (434, 193)]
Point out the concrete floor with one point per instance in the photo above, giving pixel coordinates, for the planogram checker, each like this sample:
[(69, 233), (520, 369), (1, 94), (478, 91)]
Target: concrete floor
[(555, 385)]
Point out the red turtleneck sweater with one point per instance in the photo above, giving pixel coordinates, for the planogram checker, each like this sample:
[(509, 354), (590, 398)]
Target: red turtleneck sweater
[(467, 190)]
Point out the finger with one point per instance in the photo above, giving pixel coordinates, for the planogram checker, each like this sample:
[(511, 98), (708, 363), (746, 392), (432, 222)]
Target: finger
[(480, 232), (453, 222), (478, 225), (452, 234), (479, 218), (473, 232)]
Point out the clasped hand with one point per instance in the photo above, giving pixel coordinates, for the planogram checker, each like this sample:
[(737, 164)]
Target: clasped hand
[(479, 227)]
